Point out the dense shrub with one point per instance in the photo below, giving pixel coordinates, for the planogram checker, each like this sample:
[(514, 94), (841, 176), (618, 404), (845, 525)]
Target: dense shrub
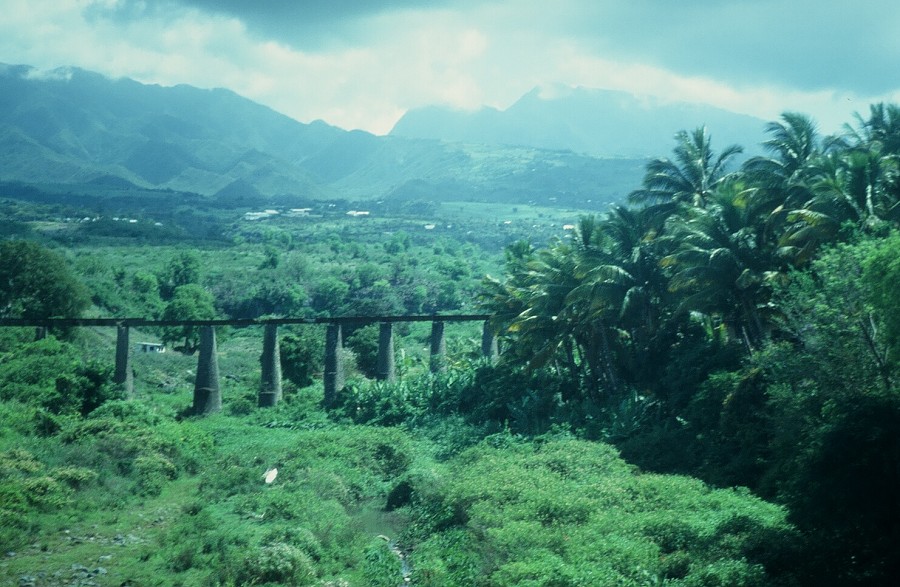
[(52, 375), (302, 355), (28, 486), (278, 563), (364, 344), (563, 512)]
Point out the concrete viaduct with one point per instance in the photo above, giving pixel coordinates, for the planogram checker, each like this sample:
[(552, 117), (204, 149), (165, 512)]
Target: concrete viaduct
[(207, 393)]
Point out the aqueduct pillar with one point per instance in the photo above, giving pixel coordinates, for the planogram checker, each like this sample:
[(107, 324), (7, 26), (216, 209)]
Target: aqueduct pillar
[(207, 395), (438, 362), (334, 364), (386, 370), (489, 347), (123, 376), (270, 380)]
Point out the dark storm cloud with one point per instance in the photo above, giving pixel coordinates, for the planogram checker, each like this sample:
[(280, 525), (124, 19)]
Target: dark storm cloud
[(807, 44), (308, 10), (803, 45), (304, 24)]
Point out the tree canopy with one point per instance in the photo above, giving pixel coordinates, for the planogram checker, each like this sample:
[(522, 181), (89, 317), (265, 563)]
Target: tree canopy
[(36, 282), (189, 302)]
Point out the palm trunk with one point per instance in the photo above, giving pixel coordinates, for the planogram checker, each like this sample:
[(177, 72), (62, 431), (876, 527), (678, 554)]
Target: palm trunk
[(608, 364), (870, 332), (591, 358), (753, 330)]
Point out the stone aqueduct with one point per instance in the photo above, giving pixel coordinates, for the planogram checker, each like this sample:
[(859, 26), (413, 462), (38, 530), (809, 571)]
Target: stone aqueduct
[(207, 392)]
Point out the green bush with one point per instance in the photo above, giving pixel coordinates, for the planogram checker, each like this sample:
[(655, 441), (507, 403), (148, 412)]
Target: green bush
[(51, 374), (564, 511), (152, 472), (382, 567), (364, 344), (279, 564), (381, 403), (25, 484), (75, 477), (297, 536), (302, 355)]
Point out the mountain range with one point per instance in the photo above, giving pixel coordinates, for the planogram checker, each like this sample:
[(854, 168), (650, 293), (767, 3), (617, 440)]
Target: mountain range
[(600, 123), (75, 128)]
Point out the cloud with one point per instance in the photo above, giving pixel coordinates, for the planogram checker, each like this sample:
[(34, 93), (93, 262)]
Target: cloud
[(808, 44), (302, 24), (363, 63)]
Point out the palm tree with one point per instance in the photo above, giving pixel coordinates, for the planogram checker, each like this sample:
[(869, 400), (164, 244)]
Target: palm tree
[(529, 303), (882, 126), (794, 144), (861, 185), (626, 289), (693, 175), (563, 303), (722, 265), (872, 164), (857, 180), (781, 186), (506, 300)]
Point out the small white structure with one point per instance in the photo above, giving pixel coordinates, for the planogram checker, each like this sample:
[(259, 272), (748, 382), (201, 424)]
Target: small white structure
[(260, 215), (151, 347)]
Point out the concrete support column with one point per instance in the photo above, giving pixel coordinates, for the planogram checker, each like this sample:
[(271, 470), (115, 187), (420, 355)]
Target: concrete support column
[(334, 364), (207, 395), (123, 375), (489, 348), (386, 370), (40, 333), (438, 361), (270, 384)]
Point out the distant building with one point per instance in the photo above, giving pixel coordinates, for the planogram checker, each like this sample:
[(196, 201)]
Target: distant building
[(151, 347)]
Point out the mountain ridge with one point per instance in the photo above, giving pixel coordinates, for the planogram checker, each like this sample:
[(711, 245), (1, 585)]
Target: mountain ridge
[(596, 122), (79, 128)]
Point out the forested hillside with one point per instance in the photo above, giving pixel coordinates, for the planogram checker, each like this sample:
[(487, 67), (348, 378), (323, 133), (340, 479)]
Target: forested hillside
[(73, 130), (696, 387)]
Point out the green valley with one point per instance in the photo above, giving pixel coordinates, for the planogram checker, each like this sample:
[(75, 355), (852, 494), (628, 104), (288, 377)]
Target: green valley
[(697, 384)]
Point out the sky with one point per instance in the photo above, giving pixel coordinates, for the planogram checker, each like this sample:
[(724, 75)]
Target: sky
[(361, 64)]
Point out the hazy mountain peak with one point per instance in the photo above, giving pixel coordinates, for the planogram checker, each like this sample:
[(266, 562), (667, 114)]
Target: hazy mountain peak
[(602, 123), (548, 92)]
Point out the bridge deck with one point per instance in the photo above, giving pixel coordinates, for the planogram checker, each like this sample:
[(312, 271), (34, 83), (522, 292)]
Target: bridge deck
[(134, 322)]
